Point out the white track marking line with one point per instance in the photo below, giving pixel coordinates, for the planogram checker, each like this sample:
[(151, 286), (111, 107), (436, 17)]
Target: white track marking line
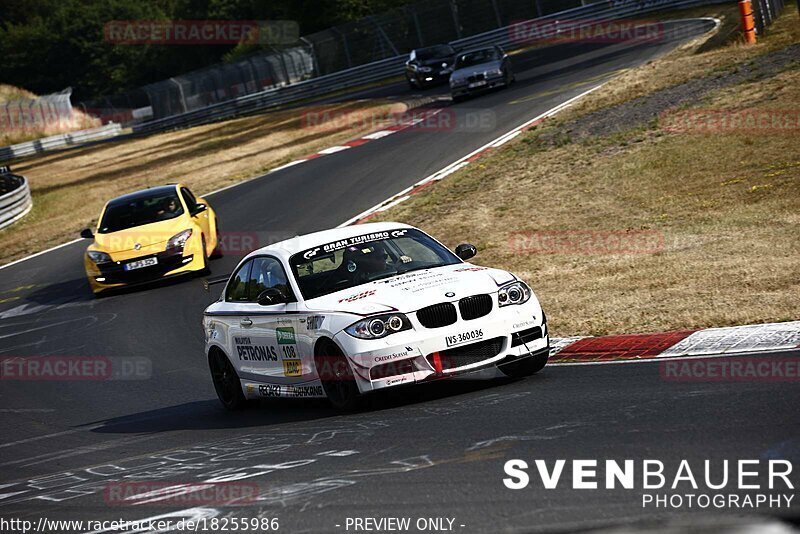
[(334, 149), (51, 249), (280, 168), (674, 358), (379, 134), (452, 167), (47, 436)]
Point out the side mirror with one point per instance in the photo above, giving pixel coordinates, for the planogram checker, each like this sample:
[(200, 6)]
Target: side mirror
[(86, 233), (199, 208), (466, 251), (272, 296)]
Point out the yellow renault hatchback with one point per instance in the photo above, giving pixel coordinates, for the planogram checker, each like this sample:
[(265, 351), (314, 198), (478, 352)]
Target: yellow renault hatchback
[(148, 235)]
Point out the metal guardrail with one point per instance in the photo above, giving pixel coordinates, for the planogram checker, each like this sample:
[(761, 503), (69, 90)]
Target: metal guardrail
[(387, 68), (15, 197), (59, 141)]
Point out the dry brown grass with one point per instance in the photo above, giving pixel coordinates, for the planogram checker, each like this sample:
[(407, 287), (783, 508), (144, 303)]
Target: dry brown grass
[(80, 120), (69, 188), (719, 214), (686, 63)]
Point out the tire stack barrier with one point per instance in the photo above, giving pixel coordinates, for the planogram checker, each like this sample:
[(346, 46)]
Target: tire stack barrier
[(15, 197)]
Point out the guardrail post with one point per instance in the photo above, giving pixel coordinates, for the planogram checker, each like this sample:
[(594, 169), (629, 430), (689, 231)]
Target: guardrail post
[(748, 23), (497, 14), (454, 11), (421, 41)]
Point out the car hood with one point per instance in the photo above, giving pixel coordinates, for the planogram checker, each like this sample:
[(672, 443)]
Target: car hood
[(145, 236), (437, 63), (414, 290), (476, 69)]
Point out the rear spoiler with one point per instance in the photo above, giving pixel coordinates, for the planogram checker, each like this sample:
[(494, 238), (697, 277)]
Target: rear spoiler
[(214, 280)]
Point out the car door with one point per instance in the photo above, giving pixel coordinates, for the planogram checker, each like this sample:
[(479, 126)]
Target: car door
[(200, 218), (240, 325), (265, 343)]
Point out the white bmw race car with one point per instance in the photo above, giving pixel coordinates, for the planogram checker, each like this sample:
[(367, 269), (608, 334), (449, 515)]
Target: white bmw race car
[(343, 312)]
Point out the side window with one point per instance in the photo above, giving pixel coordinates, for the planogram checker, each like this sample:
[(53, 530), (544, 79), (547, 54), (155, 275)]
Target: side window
[(237, 286), (188, 197), (267, 273)]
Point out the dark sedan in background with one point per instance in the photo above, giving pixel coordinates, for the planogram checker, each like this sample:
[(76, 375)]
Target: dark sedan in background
[(479, 70), (429, 66)]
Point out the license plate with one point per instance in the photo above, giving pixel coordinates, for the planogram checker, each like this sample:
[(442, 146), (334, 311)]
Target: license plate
[(464, 337), (473, 85), (138, 264)]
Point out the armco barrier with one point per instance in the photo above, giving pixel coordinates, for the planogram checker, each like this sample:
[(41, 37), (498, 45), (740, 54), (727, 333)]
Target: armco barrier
[(387, 68), (15, 197), (59, 141)]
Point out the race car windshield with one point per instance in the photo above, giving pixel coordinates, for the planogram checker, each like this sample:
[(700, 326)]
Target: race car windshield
[(434, 52), (476, 58), (139, 211), (357, 260)]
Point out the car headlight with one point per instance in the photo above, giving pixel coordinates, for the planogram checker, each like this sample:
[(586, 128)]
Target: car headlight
[(425, 69), (379, 326), (457, 82), (514, 293), (98, 257), (179, 240), (494, 72)]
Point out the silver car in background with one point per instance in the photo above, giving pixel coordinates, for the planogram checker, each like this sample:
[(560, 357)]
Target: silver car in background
[(480, 70)]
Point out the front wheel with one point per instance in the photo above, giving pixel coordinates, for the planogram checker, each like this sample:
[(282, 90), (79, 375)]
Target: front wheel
[(226, 382), (526, 366), (337, 378)]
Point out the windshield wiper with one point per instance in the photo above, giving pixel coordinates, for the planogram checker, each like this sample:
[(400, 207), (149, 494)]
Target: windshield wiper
[(404, 271)]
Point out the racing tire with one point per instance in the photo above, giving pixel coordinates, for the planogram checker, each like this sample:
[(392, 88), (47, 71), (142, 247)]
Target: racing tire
[(526, 366), (226, 382), (337, 378)]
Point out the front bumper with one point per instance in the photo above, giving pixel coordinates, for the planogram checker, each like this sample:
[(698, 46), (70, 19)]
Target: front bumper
[(422, 354), (491, 83), (429, 78), (170, 263)]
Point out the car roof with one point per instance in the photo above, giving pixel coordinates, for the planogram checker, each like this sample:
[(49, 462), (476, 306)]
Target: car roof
[(144, 193), (288, 247)]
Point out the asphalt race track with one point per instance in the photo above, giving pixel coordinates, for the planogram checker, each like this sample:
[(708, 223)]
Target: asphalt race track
[(434, 451)]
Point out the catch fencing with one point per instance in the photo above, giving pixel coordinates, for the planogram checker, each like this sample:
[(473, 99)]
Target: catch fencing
[(29, 115), (766, 11)]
